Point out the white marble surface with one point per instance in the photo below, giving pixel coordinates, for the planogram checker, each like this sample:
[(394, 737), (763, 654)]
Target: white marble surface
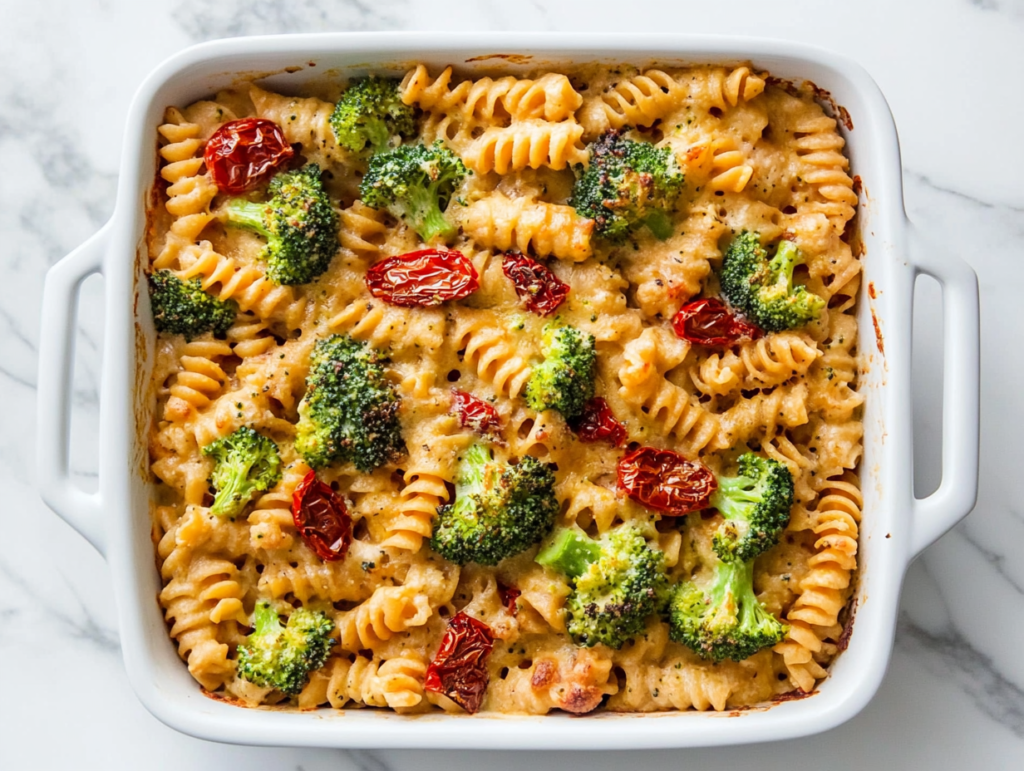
[(954, 696)]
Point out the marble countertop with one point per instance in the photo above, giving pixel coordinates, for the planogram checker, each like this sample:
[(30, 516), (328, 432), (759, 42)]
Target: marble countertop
[(954, 695)]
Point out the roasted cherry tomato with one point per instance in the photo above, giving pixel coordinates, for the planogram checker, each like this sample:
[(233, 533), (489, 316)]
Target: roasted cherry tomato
[(598, 424), (541, 289), (710, 322), (509, 595), (475, 413), (666, 481), (321, 518), (423, 278), (242, 153), (459, 670)]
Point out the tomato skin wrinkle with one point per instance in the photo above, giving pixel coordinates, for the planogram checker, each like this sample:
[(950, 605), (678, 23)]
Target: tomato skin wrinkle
[(321, 518), (540, 289), (475, 413), (423, 279), (242, 153), (598, 424), (666, 481), (459, 669), (709, 322)]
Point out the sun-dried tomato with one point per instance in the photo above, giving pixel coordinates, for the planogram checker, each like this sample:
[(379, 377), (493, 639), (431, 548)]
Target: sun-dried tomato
[(710, 322), (321, 518), (242, 153), (509, 595), (541, 289), (666, 481), (459, 670), (598, 424), (475, 413), (423, 278)]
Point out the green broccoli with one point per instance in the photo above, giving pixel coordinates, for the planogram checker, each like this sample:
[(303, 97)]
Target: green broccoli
[(370, 112), (281, 657), (755, 504), (298, 221), (499, 510), (564, 381), (183, 308), (350, 410), (616, 582), (762, 288), (415, 183), (626, 185), (247, 463), (724, 620)]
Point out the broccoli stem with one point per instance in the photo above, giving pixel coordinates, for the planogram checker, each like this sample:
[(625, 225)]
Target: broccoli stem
[(570, 552), (248, 214), (659, 223), (732, 494), (425, 212), (377, 132), (230, 493), (786, 258), (266, 621)]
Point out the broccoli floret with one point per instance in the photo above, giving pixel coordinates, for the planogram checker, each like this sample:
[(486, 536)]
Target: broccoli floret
[(762, 288), (726, 620), (616, 582), (183, 308), (755, 504), (499, 510), (415, 183), (564, 381), (350, 410), (370, 112), (247, 463), (626, 185), (297, 220), (282, 657)]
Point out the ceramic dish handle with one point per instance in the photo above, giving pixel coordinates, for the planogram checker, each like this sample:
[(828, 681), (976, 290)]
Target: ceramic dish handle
[(958, 490), (79, 509)]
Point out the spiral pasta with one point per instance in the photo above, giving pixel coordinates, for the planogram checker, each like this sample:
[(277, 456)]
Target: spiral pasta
[(189, 193), (527, 145), (199, 380), (362, 232), (246, 285), (492, 352), (824, 168), (487, 102), (667, 405), (271, 525), (635, 101), (763, 414), (763, 363), (814, 615), (527, 225), (303, 121), (385, 326), (396, 683)]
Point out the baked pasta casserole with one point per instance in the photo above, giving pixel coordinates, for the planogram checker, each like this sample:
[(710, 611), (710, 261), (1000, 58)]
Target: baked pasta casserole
[(506, 394)]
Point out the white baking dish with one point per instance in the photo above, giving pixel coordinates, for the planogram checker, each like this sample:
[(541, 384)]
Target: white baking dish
[(895, 529)]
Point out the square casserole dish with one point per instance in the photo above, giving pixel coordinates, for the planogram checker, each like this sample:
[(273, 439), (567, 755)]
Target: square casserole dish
[(896, 526)]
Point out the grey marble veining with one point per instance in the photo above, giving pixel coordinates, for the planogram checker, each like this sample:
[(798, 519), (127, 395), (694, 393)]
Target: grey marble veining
[(954, 696)]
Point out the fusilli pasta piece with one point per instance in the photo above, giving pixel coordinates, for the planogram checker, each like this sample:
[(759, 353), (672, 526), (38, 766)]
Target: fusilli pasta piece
[(635, 101), (529, 144), (825, 589), (527, 225), (189, 193)]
